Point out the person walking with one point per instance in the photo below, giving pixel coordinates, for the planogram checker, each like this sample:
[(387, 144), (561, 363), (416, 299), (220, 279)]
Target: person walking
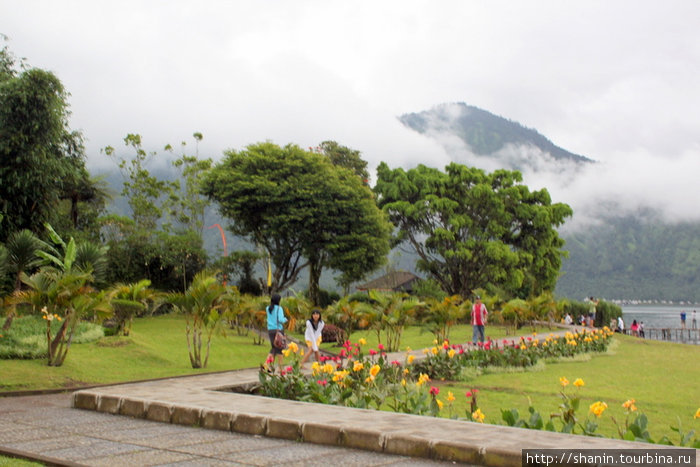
[(313, 335), (694, 321), (682, 319), (479, 314), (275, 324)]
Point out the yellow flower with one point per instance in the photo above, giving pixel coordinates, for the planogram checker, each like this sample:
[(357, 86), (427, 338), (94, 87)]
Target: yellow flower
[(422, 379), (579, 382), (408, 349), (451, 397), (523, 347), (597, 408), (286, 352), (374, 370), (338, 376), (405, 371), (434, 350), (478, 416), (362, 341), (697, 414), (369, 379), (410, 359), (629, 405), (403, 382), (357, 366), (439, 404), (451, 353), (563, 381), (315, 368), (425, 351), (544, 344), (293, 347), (328, 368)]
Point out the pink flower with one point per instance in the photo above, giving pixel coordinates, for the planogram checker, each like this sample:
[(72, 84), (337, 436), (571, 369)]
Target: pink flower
[(468, 394), (289, 369), (380, 347), (372, 352), (396, 362), (322, 382), (342, 353), (434, 391), (324, 358)]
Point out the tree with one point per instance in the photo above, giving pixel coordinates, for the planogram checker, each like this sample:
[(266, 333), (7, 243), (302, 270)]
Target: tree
[(302, 209), (187, 206), (40, 157), (475, 230), (203, 304), (21, 257), (345, 157)]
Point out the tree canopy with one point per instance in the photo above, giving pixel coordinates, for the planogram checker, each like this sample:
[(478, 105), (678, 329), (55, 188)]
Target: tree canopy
[(301, 209), (475, 230), (41, 159)]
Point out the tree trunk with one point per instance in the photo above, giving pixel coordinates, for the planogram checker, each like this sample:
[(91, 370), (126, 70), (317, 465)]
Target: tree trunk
[(315, 269)]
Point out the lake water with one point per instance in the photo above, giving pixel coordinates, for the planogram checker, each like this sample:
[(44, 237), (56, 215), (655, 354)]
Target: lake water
[(659, 316)]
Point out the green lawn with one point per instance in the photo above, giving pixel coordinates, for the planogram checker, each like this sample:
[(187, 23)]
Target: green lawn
[(662, 377), (14, 462), (157, 348)]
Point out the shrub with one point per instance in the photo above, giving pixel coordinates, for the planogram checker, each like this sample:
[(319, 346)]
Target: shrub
[(26, 339)]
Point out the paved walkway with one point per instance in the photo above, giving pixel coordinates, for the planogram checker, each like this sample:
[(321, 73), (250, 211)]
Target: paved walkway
[(47, 429)]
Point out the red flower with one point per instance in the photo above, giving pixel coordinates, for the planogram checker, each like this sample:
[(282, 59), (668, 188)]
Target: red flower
[(380, 347), (342, 353), (289, 369), (434, 391), (372, 352), (468, 394), (322, 382), (396, 362)]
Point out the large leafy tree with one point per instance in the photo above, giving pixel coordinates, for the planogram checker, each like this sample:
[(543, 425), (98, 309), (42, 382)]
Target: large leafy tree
[(40, 157), (473, 229), (302, 209)]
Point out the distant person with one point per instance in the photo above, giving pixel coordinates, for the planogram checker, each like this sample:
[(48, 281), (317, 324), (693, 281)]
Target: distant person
[(641, 329), (694, 321), (479, 314), (620, 325), (634, 328), (593, 304), (275, 323), (682, 319), (312, 336), (568, 320)]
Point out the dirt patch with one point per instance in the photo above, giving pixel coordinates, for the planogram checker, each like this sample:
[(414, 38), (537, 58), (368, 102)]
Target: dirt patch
[(114, 341)]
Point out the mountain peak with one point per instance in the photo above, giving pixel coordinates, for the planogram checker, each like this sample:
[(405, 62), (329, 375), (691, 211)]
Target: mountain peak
[(484, 133)]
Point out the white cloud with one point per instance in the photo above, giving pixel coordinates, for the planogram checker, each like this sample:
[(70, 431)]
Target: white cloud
[(614, 81)]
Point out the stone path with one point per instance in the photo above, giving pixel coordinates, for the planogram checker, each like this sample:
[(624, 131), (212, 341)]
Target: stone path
[(47, 429)]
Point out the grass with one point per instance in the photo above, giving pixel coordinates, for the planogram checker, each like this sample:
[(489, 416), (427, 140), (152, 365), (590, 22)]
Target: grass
[(157, 348), (662, 377), (14, 462)]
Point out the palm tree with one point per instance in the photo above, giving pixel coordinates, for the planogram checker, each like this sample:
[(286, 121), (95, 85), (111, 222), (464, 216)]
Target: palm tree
[(203, 305), (128, 300), (65, 296), (22, 256), (442, 315)]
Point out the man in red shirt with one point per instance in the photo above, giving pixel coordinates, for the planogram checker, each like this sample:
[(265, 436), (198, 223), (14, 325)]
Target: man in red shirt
[(479, 313)]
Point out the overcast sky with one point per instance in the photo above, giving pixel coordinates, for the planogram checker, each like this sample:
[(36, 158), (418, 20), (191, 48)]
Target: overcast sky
[(615, 81)]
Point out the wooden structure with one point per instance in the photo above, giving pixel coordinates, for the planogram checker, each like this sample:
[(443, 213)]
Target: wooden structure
[(395, 281)]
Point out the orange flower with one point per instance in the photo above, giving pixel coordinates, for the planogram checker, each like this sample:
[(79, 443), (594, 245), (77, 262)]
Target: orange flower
[(478, 416), (563, 381), (579, 382)]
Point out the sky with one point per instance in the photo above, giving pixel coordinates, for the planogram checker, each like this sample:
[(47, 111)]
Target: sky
[(615, 81)]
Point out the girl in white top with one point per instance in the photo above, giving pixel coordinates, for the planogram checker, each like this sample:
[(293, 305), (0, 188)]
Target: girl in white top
[(312, 336)]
